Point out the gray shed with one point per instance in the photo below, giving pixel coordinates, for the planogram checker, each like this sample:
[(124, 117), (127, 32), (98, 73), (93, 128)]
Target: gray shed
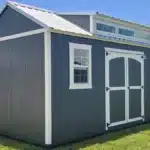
[(59, 83)]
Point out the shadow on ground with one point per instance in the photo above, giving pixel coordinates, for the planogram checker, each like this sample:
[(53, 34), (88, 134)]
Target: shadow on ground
[(106, 138), (8, 144)]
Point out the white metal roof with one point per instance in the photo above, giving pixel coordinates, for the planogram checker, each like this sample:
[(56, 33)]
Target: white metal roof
[(47, 19)]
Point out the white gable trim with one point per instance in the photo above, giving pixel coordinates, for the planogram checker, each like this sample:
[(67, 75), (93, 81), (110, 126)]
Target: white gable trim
[(26, 15), (23, 34)]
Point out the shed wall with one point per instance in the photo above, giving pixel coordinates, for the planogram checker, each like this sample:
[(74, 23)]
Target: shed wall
[(81, 20), (22, 105), (80, 113), (12, 22)]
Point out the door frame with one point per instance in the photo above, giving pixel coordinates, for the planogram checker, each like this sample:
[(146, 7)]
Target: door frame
[(126, 54)]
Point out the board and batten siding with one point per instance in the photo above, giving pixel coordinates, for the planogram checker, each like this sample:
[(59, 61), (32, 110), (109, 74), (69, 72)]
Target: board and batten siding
[(80, 113), (22, 88), (13, 22)]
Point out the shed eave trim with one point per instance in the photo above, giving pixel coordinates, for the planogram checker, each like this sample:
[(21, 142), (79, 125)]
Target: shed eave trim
[(95, 38), (23, 34)]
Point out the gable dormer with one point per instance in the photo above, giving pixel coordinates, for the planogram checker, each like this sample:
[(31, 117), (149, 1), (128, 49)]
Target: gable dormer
[(104, 26)]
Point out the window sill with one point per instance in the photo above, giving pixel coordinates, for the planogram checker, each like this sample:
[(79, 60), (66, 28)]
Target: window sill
[(81, 86)]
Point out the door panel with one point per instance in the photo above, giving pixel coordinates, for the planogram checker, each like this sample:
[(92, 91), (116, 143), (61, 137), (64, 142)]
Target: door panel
[(134, 103), (135, 86), (124, 87), (117, 106), (116, 72), (134, 72)]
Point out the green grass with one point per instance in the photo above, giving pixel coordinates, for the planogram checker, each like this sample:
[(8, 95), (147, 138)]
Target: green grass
[(135, 138)]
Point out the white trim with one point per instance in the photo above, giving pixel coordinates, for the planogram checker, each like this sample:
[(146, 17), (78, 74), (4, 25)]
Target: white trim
[(91, 24), (135, 119), (142, 90), (48, 109), (126, 65), (135, 87), (23, 34), (72, 47), (119, 88), (118, 123), (125, 121), (108, 49), (107, 94)]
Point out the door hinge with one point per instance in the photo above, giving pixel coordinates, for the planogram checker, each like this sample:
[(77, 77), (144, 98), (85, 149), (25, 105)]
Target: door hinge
[(142, 117), (108, 124), (143, 57), (107, 53), (107, 88)]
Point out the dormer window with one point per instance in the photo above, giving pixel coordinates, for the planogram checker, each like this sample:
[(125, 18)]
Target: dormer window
[(126, 32), (113, 30), (105, 28)]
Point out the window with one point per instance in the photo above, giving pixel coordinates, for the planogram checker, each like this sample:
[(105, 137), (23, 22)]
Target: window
[(80, 66), (104, 27), (126, 32)]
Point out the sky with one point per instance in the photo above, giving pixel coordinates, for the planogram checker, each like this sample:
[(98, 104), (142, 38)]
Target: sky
[(132, 10)]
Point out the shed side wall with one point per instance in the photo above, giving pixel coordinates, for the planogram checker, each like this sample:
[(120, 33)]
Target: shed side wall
[(81, 113), (22, 100), (12, 22)]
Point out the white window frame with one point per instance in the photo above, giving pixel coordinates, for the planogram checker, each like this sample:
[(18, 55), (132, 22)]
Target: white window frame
[(116, 34), (104, 23), (72, 47)]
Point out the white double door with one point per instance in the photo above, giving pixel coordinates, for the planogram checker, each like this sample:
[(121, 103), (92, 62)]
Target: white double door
[(124, 83)]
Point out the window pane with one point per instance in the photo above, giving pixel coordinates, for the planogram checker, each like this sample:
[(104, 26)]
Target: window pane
[(77, 60), (104, 27), (81, 53), (126, 32), (77, 52), (85, 61), (80, 75), (81, 57), (77, 79), (84, 53)]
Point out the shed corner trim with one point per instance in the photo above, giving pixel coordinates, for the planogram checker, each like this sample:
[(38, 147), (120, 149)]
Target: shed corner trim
[(48, 107)]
